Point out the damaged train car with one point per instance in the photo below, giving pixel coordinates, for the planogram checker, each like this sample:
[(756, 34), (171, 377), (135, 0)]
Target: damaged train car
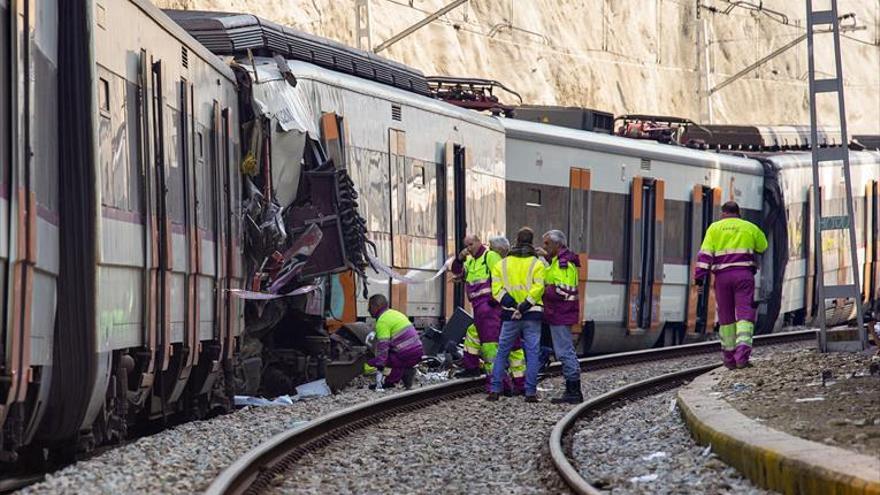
[(322, 123)]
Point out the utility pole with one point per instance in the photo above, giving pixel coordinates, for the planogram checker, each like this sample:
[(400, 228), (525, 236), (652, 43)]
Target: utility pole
[(363, 25), (703, 81)]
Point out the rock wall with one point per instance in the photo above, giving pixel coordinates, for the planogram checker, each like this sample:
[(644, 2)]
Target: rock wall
[(625, 56)]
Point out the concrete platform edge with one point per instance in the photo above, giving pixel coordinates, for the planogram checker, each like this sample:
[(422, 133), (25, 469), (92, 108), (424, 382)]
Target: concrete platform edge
[(770, 458)]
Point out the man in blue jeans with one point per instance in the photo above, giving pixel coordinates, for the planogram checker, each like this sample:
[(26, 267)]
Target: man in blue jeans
[(561, 310), (518, 284)]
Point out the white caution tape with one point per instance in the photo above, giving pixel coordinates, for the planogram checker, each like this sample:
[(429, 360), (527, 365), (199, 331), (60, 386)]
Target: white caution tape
[(266, 296), (386, 270)]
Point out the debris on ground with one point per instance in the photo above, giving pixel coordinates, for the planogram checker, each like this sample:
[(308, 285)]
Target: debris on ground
[(829, 398)]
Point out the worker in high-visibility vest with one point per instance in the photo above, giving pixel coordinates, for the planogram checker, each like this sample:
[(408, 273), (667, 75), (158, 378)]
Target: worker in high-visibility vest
[(474, 265), (561, 310), (398, 344), (729, 252), (518, 284)]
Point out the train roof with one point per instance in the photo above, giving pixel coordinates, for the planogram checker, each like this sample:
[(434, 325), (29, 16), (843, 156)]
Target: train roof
[(268, 70), (801, 159), (652, 150), (227, 33), (193, 45)]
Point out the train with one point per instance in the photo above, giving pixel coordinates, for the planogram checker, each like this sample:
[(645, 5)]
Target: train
[(197, 204)]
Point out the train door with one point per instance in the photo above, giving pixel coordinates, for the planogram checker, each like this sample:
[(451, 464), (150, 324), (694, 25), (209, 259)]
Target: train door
[(397, 191), (871, 277), (230, 232), (810, 255), (456, 217), (161, 232), (183, 222), (645, 277), (578, 231), (146, 357), (6, 80), (705, 208)]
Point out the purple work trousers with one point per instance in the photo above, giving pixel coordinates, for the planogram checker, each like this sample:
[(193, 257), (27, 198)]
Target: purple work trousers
[(735, 293), (398, 363), (487, 319)]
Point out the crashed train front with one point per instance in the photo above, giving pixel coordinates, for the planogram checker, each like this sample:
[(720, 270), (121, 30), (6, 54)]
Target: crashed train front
[(301, 225)]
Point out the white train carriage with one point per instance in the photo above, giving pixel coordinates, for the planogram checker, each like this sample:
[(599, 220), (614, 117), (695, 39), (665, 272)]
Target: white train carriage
[(146, 121), (427, 173), (794, 174), (636, 212), (168, 241), (29, 215)]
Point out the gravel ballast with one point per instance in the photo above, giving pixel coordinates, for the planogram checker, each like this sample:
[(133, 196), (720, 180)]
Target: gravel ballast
[(466, 445), (645, 447), (463, 446), (187, 458)]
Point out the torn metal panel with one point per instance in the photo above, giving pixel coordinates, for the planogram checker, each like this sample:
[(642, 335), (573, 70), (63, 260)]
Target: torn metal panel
[(276, 99), (286, 158)]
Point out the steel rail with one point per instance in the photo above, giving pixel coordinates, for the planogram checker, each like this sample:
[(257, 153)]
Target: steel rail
[(258, 468), (632, 391), (608, 400)]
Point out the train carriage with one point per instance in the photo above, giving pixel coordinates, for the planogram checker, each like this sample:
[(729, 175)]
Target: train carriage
[(636, 212), (168, 219), (793, 172), (427, 172), (137, 220), (29, 215)]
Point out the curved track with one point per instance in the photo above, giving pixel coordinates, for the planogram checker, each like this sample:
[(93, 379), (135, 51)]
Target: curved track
[(631, 392), (258, 469)]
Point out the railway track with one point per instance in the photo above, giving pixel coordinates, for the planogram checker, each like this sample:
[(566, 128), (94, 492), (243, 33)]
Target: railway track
[(261, 467), (595, 406)]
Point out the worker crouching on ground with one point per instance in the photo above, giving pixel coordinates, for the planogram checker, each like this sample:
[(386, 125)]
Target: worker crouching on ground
[(398, 345), (518, 284), (729, 252), (561, 310), (474, 264)]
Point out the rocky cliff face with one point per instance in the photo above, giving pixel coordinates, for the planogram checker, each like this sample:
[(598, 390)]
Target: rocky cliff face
[(625, 56)]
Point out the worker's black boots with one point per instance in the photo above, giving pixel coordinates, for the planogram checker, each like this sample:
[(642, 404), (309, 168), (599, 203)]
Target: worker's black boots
[(408, 377), (572, 395)]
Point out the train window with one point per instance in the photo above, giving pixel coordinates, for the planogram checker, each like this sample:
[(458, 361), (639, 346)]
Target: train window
[(533, 197), (113, 141), (104, 94), (608, 221), (175, 153), (795, 214), (134, 146), (675, 239), (418, 176)]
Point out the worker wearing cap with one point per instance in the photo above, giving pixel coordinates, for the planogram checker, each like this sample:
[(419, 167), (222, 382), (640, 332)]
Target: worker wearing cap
[(561, 310), (398, 345), (517, 285), (474, 264), (729, 252)]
